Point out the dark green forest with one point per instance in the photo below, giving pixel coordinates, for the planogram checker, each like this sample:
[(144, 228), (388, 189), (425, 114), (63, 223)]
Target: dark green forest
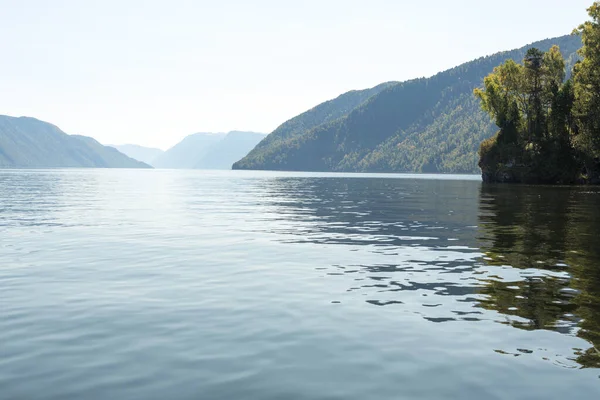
[(424, 125), (549, 126)]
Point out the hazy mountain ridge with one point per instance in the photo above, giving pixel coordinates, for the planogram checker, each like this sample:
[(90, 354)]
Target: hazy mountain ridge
[(208, 150), (27, 142), (187, 153), (235, 145), (144, 154), (423, 125)]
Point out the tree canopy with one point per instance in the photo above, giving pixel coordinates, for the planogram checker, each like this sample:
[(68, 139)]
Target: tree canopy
[(549, 126)]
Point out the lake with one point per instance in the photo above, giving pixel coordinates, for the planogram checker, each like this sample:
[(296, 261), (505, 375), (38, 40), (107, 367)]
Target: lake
[(150, 284)]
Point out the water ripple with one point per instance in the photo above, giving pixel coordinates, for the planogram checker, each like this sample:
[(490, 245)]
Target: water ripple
[(188, 284)]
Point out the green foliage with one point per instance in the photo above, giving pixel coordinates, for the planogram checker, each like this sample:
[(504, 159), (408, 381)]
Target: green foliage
[(423, 125), (586, 78), (549, 128)]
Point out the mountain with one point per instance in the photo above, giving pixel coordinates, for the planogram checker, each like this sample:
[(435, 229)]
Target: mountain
[(30, 143), (208, 150), (231, 148), (187, 153), (144, 154), (275, 143), (424, 125)]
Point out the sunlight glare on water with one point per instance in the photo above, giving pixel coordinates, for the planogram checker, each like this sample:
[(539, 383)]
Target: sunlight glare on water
[(219, 285)]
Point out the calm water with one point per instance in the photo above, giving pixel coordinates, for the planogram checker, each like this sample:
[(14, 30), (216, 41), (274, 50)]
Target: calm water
[(193, 285)]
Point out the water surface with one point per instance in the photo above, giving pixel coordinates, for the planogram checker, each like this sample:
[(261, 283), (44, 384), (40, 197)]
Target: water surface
[(131, 284)]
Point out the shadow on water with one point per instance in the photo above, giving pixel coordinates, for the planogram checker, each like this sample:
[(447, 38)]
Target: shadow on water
[(551, 236), (527, 257)]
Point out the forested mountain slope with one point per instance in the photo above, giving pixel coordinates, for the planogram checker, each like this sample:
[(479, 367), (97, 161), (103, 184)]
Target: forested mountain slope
[(268, 151), (424, 125), (30, 143)]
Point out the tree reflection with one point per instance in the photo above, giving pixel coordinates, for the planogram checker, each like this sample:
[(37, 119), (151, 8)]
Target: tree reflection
[(550, 235), (413, 246)]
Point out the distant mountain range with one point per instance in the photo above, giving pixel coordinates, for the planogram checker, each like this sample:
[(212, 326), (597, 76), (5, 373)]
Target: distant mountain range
[(30, 143), (144, 154), (187, 153), (208, 150), (423, 125), (228, 150)]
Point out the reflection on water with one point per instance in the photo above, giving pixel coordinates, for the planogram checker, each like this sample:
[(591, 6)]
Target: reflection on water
[(450, 250), (186, 284), (551, 236)]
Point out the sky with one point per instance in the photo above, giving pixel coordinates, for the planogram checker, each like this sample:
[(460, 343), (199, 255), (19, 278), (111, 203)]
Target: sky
[(150, 72)]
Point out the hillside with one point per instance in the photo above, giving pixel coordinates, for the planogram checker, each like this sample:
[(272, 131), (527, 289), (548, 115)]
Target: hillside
[(424, 125), (276, 143), (29, 143), (231, 148), (144, 154), (187, 153)]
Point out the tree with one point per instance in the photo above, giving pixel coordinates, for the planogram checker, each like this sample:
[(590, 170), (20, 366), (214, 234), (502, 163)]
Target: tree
[(533, 107), (557, 98), (533, 89), (586, 78), (502, 98), (561, 120)]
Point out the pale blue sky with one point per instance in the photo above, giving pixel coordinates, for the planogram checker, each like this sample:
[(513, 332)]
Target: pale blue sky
[(151, 72)]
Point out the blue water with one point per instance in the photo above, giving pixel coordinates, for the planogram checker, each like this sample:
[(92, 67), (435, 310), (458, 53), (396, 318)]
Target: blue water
[(135, 284)]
